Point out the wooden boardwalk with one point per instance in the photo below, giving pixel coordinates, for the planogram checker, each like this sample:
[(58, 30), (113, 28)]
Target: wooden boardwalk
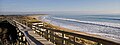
[(39, 38), (32, 38)]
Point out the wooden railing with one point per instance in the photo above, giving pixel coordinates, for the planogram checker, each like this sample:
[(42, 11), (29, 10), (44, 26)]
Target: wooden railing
[(23, 37), (61, 37), (21, 40)]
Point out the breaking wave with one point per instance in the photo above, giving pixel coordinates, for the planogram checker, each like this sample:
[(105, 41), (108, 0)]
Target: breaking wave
[(105, 24)]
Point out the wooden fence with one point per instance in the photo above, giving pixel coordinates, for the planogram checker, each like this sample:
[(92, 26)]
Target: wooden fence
[(61, 37)]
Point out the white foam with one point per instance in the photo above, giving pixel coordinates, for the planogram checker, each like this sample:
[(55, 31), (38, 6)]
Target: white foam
[(117, 25)]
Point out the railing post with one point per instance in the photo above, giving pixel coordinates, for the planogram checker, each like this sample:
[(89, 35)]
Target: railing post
[(74, 40), (63, 36), (47, 34), (40, 31)]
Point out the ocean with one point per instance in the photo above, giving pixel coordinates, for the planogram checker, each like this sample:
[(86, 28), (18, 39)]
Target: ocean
[(104, 25)]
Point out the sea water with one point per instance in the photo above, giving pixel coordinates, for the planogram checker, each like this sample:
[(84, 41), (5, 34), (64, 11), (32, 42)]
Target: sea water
[(103, 25)]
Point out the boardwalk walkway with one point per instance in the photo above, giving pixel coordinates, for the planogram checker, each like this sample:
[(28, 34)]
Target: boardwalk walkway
[(32, 37), (39, 38)]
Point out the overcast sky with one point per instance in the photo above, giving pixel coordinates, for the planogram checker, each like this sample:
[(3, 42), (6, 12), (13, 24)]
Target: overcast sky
[(90, 6)]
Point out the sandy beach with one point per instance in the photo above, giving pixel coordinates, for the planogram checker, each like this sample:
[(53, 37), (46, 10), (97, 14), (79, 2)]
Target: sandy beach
[(61, 28)]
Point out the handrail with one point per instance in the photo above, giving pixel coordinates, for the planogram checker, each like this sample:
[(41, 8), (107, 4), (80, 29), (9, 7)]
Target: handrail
[(23, 30), (21, 37), (99, 40)]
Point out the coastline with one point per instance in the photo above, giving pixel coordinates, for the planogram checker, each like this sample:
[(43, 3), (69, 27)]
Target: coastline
[(75, 32), (61, 28)]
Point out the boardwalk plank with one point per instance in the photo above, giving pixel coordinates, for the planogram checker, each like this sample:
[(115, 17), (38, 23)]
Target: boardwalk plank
[(40, 39)]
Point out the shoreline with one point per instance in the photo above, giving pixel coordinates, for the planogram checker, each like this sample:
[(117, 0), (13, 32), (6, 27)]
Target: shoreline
[(61, 28), (76, 32)]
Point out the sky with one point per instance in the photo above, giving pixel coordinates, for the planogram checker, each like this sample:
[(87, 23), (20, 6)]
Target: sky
[(89, 6)]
